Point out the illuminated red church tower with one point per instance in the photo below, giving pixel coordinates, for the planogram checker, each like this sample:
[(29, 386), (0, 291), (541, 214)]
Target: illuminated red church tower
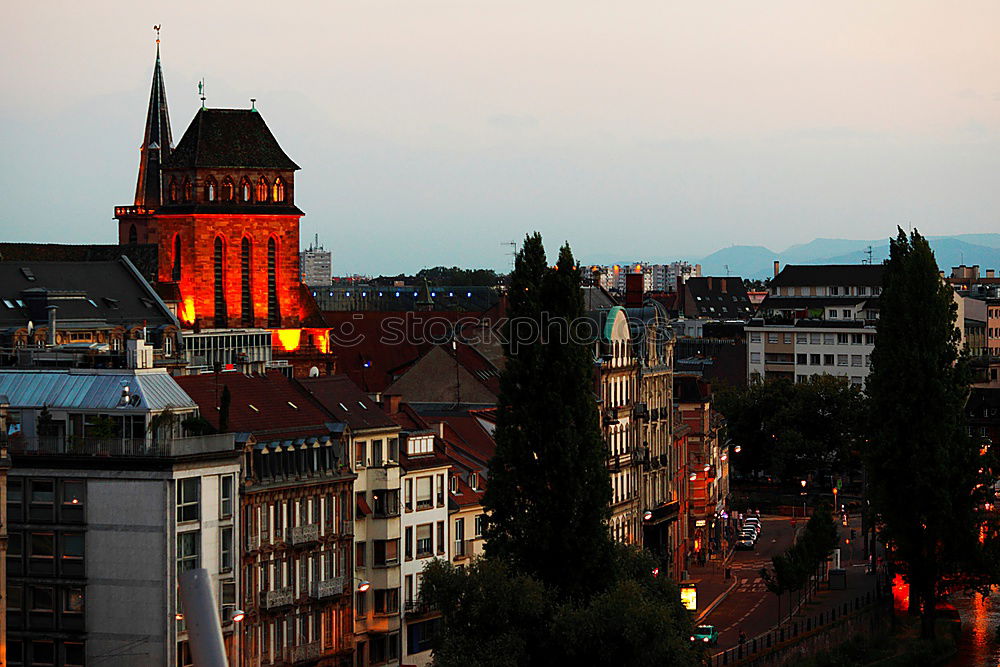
[(220, 207)]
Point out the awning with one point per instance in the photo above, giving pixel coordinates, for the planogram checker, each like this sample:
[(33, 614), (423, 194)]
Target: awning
[(363, 509)]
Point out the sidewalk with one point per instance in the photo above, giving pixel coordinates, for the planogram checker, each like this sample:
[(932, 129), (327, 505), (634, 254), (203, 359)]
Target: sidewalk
[(713, 587)]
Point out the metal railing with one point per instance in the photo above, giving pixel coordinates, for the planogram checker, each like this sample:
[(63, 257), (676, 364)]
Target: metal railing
[(83, 446), (327, 588), (303, 652), (280, 597), (791, 631), (302, 534), (462, 549)]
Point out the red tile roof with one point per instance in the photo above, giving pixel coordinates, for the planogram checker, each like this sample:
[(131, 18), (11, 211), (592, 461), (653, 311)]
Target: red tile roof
[(270, 405), (345, 401)]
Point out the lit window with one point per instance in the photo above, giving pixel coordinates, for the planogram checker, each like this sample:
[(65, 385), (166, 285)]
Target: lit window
[(278, 190), (262, 189)]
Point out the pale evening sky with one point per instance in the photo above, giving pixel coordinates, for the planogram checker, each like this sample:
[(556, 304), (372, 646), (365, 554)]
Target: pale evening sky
[(430, 132)]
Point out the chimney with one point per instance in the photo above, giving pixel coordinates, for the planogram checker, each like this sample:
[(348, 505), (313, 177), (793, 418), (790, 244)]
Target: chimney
[(723, 285), (710, 283), (633, 290), (990, 273), (777, 267), (52, 323), (392, 403), (440, 430)]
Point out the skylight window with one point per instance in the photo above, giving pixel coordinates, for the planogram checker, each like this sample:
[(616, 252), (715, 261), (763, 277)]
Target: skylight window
[(294, 407), (363, 406), (253, 407), (343, 407)]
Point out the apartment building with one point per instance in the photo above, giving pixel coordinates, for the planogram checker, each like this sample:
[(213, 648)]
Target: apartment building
[(653, 344), (617, 383), (372, 439), (108, 501), (707, 466), (296, 509), (423, 524), (816, 320)]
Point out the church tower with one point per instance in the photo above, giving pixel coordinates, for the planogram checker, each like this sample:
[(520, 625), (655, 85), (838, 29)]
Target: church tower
[(220, 207)]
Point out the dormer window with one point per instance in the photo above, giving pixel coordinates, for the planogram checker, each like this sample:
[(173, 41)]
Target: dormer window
[(453, 484)]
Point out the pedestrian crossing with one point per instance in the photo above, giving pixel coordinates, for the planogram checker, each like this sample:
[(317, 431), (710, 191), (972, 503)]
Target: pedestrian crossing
[(751, 585)]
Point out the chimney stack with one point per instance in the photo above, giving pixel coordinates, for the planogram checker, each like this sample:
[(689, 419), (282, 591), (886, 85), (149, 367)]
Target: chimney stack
[(52, 323), (392, 403), (633, 290), (990, 273), (723, 286), (777, 267), (709, 283)]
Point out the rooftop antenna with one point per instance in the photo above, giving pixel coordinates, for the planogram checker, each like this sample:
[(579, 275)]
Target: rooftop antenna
[(201, 91), (868, 252), (253, 104), (513, 251), (727, 268), (157, 29)]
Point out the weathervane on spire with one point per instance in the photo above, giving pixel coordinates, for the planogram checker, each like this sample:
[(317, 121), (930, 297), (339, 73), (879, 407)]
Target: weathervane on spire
[(201, 92), (157, 29)]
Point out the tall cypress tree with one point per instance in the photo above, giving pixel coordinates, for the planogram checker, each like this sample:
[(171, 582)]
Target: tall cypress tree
[(923, 467), (549, 491)]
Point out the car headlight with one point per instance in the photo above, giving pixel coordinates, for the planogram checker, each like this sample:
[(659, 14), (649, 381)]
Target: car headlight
[(692, 638), (704, 639)]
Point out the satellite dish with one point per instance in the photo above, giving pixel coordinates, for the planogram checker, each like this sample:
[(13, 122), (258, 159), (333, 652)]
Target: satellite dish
[(314, 372)]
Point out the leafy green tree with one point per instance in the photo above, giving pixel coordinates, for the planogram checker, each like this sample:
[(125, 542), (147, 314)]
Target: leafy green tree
[(788, 429), (549, 490), (927, 478), (552, 588)]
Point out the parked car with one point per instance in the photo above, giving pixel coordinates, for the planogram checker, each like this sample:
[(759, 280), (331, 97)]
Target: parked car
[(748, 533), (745, 543), (706, 634)]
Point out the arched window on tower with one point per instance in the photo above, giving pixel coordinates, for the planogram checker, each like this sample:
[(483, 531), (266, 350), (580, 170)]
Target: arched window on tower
[(278, 190), (210, 191), (173, 190), (246, 277), (175, 274), (219, 275), (227, 189), (262, 189), (133, 236), (188, 189), (273, 306), (245, 189)]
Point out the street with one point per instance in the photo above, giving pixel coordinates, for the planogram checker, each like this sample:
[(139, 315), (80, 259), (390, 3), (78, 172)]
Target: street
[(750, 607)]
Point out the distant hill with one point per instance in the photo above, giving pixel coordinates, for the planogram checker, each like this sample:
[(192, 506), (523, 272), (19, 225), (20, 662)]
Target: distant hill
[(757, 261)]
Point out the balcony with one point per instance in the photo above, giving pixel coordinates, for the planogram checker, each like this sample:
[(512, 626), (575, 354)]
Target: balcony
[(257, 541), (126, 447), (462, 549), (299, 535), (328, 588), (281, 597), (303, 652)]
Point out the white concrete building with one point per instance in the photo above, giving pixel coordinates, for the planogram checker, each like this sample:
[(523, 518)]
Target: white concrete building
[(108, 502), (424, 525)]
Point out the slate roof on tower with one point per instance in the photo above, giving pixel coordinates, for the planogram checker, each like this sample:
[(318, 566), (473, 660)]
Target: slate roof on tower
[(237, 138)]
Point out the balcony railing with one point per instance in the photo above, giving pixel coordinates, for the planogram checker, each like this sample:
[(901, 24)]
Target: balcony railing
[(256, 541), (462, 549), (328, 588), (82, 446), (303, 652), (306, 534), (281, 597)]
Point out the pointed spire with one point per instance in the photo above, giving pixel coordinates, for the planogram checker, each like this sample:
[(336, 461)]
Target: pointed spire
[(156, 142)]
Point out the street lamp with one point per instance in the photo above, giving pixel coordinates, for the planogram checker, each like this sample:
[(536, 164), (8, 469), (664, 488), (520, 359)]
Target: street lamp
[(803, 483), (738, 449), (238, 615), (363, 585)]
